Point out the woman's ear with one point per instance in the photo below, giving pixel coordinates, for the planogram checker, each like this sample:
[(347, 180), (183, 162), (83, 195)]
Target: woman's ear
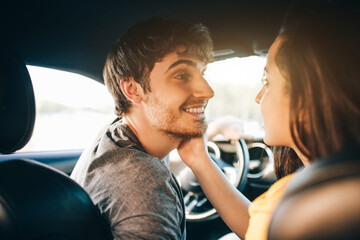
[(131, 89)]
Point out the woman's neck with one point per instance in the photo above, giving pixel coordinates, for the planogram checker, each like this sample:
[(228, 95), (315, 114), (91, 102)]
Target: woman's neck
[(302, 157)]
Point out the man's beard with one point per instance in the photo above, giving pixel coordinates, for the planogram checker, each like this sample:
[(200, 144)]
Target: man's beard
[(185, 134), (169, 122)]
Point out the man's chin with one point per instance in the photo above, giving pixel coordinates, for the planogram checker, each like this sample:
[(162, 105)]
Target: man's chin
[(185, 133)]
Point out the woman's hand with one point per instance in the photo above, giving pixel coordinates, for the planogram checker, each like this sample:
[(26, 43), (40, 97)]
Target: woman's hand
[(229, 202), (193, 150)]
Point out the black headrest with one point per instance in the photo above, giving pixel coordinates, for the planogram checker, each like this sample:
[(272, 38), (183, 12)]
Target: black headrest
[(322, 201), (39, 202), (17, 103)]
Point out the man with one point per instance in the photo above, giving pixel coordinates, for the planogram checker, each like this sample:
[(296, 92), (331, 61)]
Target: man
[(155, 75)]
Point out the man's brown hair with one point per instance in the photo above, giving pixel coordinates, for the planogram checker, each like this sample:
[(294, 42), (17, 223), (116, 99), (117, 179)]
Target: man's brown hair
[(136, 52)]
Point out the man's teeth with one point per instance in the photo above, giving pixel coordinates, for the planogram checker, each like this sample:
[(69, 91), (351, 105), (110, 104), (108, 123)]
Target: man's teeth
[(195, 110)]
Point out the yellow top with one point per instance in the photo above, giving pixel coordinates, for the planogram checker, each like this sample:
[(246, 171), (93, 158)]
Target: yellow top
[(261, 209)]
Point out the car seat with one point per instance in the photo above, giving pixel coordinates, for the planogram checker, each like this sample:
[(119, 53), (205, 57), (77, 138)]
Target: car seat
[(36, 201), (322, 201)]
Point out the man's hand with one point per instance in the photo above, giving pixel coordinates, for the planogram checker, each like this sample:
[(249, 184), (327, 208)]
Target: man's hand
[(232, 128)]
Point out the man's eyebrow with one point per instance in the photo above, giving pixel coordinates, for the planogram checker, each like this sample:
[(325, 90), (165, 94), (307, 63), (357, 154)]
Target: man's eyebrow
[(181, 61)]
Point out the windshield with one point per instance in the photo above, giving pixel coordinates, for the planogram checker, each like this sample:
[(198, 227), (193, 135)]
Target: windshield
[(236, 82)]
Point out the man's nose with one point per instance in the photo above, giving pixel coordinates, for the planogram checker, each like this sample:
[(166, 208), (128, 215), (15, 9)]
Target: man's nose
[(202, 89)]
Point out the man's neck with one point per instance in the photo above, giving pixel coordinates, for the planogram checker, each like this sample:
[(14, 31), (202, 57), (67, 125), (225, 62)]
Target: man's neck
[(154, 141)]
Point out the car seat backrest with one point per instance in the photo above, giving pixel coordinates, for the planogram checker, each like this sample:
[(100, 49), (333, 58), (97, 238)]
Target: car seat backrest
[(321, 202), (36, 201)]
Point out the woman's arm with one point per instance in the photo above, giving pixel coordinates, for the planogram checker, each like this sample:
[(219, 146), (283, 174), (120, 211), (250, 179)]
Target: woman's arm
[(231, 205)]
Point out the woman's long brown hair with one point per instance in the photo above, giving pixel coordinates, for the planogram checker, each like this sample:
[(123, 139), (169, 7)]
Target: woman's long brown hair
[(320, 58)]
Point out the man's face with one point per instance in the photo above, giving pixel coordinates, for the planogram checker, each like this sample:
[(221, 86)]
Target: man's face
[(178, 96)]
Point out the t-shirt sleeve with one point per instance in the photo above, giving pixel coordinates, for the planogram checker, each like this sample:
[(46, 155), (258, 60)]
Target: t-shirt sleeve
[(139, 198)]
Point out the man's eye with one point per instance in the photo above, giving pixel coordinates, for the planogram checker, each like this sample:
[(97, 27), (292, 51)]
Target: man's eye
[(182, 76)]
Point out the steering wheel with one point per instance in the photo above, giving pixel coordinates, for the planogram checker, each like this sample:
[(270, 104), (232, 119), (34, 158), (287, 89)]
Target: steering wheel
[(197, 206)]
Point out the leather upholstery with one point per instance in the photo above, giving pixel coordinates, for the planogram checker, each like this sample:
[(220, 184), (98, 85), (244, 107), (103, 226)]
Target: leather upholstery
[(36, 201), (322, 202), (17, 103)]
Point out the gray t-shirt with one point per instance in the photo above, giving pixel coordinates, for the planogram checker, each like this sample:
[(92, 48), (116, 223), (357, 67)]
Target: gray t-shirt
[(134, 190)]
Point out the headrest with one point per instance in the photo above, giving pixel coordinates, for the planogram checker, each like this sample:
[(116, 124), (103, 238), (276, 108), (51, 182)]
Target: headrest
[(38, 202), (17, 102)]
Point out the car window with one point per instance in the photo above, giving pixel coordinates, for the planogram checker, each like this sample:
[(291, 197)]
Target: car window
[(236, 82), (70, 110)]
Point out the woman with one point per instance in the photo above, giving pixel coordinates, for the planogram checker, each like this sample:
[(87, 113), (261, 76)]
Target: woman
[(310, 104)]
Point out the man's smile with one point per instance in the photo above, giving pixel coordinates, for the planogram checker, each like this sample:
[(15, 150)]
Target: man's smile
[(195, 110)]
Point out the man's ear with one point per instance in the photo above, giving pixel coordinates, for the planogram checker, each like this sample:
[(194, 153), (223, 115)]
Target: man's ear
[(131, 89)]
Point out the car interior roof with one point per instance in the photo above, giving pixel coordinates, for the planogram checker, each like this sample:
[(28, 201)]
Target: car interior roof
[(77, 35)]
